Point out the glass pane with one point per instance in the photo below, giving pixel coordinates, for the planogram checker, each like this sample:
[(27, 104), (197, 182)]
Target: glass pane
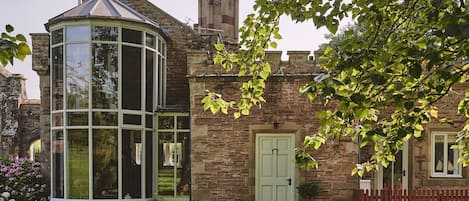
[(131, 78), (166, 162), (78, 76), (78, 160), (149, 164), (439, 153), (131, 36), (57, 36), (105, 164), (160, 46), (132, 119), (150, 64), (453, 154), (149, 121), (105, 76), (57, 78), (77, 118), (161, 81), (131, 164), (105, 118), (182, 154), (397, 165), (57, 119), (150, 41), (183, 122), (78, 33), (165, 122), (58, 163), (105, 33)]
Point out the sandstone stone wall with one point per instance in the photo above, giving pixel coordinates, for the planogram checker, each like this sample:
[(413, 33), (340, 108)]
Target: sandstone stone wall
[(40, 49), (17, 116), (29, 129), (223, 149)]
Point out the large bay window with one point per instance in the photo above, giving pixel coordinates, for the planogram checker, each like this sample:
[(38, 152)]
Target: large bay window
[(105, 81), (444, 158)]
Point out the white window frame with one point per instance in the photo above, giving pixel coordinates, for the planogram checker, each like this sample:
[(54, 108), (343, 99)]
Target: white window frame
[(445, 156)]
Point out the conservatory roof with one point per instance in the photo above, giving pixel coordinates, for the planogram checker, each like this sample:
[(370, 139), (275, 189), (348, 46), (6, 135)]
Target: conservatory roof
[(103, 9)]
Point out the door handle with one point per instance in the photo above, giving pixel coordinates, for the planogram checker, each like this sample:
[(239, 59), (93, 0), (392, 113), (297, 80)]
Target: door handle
[(289, 181)]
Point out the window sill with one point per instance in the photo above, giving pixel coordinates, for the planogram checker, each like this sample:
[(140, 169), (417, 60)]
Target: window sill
[(446, 177)]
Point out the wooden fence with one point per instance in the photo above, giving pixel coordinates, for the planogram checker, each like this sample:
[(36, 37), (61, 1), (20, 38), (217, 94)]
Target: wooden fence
[(411, 195)]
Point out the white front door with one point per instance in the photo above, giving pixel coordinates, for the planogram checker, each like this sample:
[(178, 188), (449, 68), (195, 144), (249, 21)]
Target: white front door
[(275, 167)]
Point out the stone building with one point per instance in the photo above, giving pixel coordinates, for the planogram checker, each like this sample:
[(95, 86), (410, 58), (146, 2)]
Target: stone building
[(121, 115), (19, 117)]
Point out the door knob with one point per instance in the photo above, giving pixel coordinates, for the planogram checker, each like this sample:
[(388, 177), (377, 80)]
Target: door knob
[(289, 181)]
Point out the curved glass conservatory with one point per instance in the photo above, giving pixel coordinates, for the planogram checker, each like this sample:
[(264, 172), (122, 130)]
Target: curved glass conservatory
[(107, 76)]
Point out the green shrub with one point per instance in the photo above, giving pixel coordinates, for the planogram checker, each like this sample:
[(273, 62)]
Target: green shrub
[(308, 189)]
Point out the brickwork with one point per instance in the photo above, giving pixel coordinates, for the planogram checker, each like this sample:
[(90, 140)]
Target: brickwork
[(223, 149)]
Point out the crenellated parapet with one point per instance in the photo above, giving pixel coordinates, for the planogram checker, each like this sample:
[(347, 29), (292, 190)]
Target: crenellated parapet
[(200, 63)]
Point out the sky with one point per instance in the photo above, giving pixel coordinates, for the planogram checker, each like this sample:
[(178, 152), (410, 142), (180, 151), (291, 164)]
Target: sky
[(29, 16)]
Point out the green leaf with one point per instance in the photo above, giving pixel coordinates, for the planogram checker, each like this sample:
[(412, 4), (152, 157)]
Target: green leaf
[(9, 28), (219, 46), (421, 43), (21, 38), (273, 44), (357, 98), (237, 115)]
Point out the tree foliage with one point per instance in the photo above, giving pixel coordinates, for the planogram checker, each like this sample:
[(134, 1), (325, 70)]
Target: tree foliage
[(384, 80), (12, 46)]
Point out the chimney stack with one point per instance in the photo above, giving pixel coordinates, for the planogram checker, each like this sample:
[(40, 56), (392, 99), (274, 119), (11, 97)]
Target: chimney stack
[(220, 16)]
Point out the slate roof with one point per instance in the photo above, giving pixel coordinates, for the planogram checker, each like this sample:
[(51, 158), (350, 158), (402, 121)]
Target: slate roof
[(103, 9)]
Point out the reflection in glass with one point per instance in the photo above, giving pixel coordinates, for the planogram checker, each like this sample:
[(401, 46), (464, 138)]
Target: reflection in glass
[(57, 36), (183, 122), (101, 33), (174, 164), (453, 154), (132, 119), (105, 76), (183, 168), (439, 153), (105, 118), (165, 122), (161, 81), (131, 163), (78, 33), (58, 163), (77, 118), (131, 78), (150, 41), (150, 63), (77, 164), (57, 78), (57, 119), (105, 164), (149, 121), (148, 164), (131, 36), (78, 73), (165, 171)]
